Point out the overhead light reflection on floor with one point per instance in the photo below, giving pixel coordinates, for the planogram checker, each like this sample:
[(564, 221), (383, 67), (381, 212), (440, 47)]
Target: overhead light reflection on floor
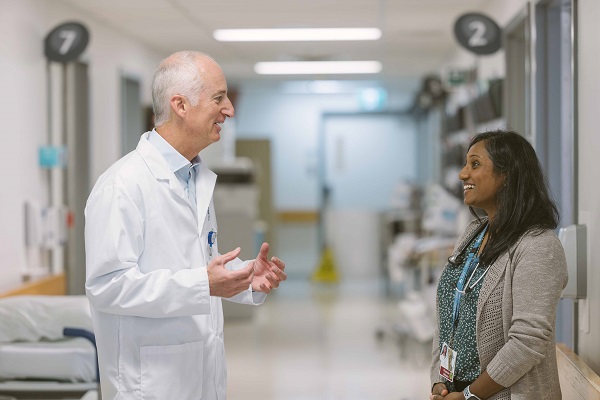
[(319, 342)]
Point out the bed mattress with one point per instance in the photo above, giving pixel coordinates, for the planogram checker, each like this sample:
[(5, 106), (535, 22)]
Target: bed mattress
[(69, 360)]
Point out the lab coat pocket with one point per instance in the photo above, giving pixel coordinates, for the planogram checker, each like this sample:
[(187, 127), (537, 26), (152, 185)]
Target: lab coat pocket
[(172, 372)]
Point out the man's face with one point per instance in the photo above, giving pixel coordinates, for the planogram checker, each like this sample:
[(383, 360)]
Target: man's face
[(206, 118)]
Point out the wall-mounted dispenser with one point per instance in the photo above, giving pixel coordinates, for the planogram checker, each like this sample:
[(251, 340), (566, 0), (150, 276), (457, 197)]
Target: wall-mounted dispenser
[(574, 241)]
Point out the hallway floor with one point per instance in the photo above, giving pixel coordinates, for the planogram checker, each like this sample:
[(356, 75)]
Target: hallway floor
[(318, 342)]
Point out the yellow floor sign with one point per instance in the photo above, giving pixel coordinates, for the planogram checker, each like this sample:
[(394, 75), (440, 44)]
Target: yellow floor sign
[(326, 271)]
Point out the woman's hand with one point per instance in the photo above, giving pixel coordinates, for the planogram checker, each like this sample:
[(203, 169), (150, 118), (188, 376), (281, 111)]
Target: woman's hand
[(439, 391), (449, 396)]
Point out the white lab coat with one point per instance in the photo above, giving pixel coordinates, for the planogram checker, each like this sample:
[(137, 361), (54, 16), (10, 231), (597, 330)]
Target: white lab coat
[(158, 330)]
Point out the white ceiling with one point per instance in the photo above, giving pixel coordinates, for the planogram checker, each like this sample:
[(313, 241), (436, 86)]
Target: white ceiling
[(417, 34)]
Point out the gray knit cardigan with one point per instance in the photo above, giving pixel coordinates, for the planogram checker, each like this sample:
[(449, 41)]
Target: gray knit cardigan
[(516, 313)]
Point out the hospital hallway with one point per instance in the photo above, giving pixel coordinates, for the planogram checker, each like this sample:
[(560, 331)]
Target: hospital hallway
[(318, 342), (361, 139)]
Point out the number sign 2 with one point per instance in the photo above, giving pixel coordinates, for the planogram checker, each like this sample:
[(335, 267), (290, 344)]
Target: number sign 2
[(66, 42), (478, 33)]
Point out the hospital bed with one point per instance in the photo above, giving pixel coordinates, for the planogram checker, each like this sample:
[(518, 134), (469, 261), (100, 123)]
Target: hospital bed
[(47, 348)]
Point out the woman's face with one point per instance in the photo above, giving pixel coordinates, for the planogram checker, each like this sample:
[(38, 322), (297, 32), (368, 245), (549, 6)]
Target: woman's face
[(480, 182)]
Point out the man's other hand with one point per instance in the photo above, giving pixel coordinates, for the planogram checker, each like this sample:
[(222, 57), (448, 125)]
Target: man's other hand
[(267, 273)]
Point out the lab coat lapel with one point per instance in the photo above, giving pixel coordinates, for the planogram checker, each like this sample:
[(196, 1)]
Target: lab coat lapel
[(205, 186), (158, 166)]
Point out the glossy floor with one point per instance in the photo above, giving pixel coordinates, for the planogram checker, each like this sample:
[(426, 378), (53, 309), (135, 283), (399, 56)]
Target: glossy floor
[(319, 342)]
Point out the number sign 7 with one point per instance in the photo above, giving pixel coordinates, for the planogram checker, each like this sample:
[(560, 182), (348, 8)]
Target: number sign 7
[(66, 42)]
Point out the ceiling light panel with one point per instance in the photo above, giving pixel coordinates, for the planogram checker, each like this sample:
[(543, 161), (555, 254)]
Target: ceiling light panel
[(296, 35), (317, 67)]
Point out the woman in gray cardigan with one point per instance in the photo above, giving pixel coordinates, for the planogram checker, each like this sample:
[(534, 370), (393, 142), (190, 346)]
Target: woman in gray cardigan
[(497, 297)]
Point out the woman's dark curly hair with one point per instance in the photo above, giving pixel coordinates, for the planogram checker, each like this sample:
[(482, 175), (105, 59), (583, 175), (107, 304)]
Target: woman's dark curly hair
[(523, 202)]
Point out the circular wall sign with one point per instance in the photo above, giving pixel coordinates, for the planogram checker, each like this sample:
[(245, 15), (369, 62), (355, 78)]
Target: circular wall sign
[(66, 42), (478, 33)]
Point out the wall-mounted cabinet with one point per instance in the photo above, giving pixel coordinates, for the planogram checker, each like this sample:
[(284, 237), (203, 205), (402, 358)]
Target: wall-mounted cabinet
[(470, 109)]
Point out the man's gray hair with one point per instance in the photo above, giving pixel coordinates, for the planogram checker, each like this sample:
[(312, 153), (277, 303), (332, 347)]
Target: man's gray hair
[(177, 74)]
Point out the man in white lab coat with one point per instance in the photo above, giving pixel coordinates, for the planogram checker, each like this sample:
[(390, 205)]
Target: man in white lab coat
[(155, 278)]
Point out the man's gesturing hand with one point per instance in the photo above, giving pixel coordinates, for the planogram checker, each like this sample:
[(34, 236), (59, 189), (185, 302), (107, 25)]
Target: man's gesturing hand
[(225, 283), (267, 273)]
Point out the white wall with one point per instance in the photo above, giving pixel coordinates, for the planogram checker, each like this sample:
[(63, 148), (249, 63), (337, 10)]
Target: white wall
[(23, 103), (293, 123), (589, 191), (23, 26), (366, 157)]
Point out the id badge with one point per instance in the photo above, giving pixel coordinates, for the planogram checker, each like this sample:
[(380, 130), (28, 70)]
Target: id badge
[(212, 239), (447, 362)]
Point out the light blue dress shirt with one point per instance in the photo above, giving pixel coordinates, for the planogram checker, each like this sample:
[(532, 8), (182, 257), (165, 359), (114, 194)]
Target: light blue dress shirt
[(184, 170)]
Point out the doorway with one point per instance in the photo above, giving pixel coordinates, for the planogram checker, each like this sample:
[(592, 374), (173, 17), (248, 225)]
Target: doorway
[(556, 133), (259, 151), (363, 158), (132, 114)]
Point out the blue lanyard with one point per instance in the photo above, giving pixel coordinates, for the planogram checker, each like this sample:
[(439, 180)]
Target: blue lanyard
[(469, 269)]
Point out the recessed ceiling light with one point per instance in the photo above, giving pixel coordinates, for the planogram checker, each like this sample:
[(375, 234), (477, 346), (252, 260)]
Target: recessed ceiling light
[(317, 67), (289, 35)]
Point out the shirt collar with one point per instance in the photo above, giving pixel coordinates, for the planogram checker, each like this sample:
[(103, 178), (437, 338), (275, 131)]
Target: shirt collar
[(173, 158)]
